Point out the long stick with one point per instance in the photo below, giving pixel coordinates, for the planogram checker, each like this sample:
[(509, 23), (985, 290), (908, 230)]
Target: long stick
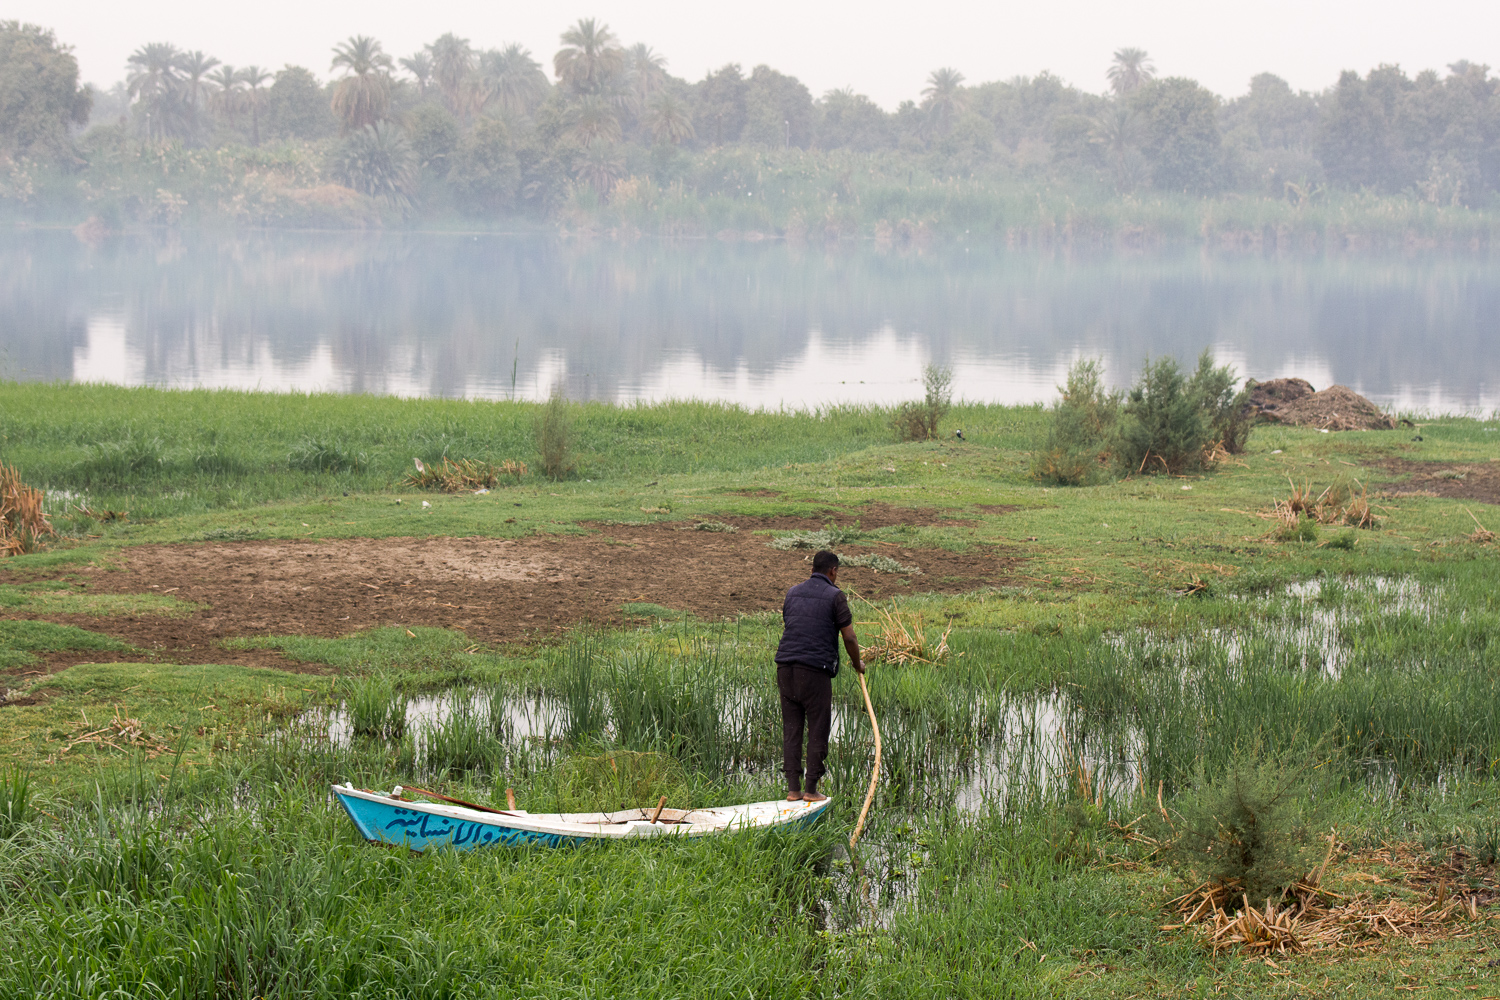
[(875, 776)]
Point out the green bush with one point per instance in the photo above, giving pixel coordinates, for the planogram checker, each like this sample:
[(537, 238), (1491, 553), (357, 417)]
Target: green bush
[(1083, 425), (1169, 422), (1248, 830), (1226, 410), (1163, 428), (1305, 530), (919, 421)]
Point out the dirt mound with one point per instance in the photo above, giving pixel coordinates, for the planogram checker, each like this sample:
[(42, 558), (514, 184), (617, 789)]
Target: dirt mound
[(1336, 408), (1269, 397), (494, 589)]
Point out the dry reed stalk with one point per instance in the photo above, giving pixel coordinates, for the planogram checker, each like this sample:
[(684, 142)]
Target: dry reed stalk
[(1327, 508), (121, 734), (903, 640), (23, 523), (1481, 534)]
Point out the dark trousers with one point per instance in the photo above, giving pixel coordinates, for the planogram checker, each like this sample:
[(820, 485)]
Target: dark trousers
[(806, 698)]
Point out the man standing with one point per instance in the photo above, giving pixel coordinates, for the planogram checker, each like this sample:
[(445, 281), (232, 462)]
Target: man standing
[(815, 614)]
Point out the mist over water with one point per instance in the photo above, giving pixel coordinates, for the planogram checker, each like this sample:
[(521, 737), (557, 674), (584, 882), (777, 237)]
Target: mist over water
[(760, 324)]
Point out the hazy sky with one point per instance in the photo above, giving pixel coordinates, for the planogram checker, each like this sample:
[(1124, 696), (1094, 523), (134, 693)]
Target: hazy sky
[(879, 47)]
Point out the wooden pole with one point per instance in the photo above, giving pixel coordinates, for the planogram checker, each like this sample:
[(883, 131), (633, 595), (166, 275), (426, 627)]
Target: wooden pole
[(659, 807), (875, 775)]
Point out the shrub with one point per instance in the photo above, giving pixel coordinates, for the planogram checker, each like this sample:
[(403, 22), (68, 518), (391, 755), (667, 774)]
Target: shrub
[(919, 421), (1247, 830), (1226, 410), (318, 455), (1343, 540), (1163, 428), (554, 437), (1168, 423), (1304, 530), (1083, 423)]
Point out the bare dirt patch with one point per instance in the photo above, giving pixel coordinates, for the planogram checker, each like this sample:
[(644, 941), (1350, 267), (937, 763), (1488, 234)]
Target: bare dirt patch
[(493, 589), (1464, 481), (870, 516), (997, 508)]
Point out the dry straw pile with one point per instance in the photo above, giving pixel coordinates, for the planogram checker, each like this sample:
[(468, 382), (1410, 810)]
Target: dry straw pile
[(903, 640), (1311, 918), (23, 524), (462, 476), (1338, 504)]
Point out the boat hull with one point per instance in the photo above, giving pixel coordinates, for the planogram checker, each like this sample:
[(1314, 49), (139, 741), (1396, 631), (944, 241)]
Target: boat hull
[(421, 826)]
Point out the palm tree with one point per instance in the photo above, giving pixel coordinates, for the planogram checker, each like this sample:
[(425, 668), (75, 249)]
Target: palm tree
[(363, 96), (453, 72), (255, 78), (227, 98), (419, 66), (590, 57), (669, 120), (378, 161), (590, 119), (648, 73), (943, 96), (513, 79), (1131, 70), (1118, 129), (153, 78), (195, 67), (601, 166)]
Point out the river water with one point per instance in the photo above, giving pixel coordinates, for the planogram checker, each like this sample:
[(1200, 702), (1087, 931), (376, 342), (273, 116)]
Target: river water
[(760, 324)]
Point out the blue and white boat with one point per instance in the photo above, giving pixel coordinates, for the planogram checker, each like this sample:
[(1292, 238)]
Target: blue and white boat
[(386, 818)]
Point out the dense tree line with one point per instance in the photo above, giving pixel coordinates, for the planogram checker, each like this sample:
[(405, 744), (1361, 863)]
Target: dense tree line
[(487, 131)]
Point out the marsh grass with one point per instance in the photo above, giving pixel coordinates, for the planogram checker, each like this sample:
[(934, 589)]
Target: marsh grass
[(377, 707), (316, 454), (15, 801)]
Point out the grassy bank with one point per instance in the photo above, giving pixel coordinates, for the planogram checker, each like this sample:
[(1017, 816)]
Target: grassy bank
[(1150, 636)]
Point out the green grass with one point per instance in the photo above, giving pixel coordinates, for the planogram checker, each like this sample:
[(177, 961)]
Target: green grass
[(19, 639), (208, 861)]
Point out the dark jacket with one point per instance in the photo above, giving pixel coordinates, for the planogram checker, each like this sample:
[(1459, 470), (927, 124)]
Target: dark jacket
[(814, 611)]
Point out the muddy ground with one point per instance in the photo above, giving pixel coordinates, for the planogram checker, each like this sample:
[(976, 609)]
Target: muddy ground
[(496, 590), (1478, 481)]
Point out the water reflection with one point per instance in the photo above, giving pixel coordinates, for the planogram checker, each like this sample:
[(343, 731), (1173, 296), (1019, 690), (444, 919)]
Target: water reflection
[(761, 325)]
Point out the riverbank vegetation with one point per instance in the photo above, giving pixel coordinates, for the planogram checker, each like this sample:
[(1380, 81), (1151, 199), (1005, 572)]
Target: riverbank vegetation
[(607, 139)]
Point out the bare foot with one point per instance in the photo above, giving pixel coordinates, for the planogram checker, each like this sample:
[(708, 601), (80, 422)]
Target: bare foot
[(794, 796), (814, 797)]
